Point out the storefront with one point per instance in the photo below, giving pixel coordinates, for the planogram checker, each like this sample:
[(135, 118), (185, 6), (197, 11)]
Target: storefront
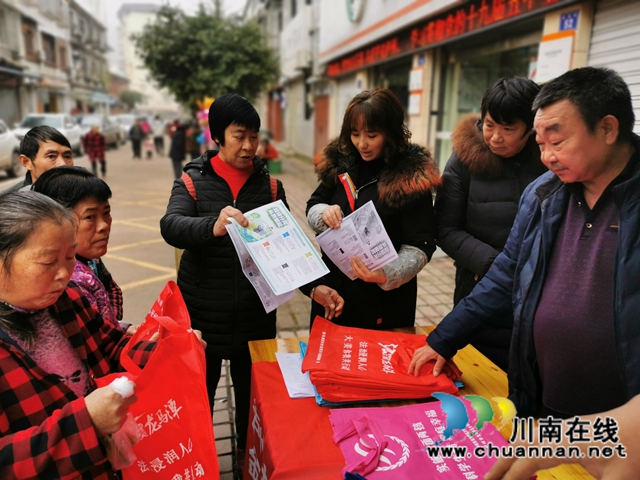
[(10, 95), (615, 43), (458, 53), (393, 75), (472, 65)]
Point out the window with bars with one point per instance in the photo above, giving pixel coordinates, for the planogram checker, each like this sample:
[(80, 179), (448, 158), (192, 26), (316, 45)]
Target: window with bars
[(30, 40), (49, 49)]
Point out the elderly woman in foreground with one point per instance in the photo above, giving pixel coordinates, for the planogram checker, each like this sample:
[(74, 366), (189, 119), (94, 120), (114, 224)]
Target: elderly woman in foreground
[(52, 347)]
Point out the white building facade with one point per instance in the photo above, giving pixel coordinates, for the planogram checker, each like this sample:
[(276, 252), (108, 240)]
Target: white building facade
[(133, 17), (42, 63)]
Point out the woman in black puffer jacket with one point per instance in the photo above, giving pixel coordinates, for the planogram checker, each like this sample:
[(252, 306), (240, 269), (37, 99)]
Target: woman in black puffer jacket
[(374, 151), (222, 303), (494, 158)]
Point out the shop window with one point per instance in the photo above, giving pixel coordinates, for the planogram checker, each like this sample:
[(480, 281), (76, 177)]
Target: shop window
[(49, 49), (394, 76), (479, 73)]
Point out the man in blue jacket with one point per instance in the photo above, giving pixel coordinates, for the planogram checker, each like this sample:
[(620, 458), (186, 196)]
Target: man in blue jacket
[(570, 271)]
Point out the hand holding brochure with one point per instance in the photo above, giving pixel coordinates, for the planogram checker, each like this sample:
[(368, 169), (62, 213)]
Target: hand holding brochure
[(275, 254), (361, 234)]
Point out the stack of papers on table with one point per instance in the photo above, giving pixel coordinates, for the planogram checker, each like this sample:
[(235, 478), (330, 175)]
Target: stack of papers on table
[(297, 383)]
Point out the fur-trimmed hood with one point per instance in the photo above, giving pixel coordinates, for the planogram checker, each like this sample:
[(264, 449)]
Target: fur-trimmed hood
[(469, 145), (404, 178)]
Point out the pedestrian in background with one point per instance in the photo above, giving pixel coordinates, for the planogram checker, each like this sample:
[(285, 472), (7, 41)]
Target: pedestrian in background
[(144, 124), (495, 157), (136, 135), (95, 147), (374, 158), (267, 151), (158, 128), (192, 134), (177, 152), (149, 146)]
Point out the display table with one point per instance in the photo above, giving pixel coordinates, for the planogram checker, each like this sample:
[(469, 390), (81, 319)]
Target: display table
[(291, 438)]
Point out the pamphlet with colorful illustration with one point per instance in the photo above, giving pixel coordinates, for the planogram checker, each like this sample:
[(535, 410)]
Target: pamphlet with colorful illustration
[(276, 255)]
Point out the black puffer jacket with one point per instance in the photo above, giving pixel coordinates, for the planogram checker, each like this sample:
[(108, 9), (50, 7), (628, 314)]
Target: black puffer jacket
[(475, 209), (402, 196), (221, 301)]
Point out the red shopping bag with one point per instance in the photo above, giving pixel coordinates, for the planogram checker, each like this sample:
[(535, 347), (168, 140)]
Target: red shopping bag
[(348, 364), (172, 412), (171, 304)]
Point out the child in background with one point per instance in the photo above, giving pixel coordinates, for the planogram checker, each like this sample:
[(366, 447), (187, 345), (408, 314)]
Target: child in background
[(95, 146), (267, 151), (149, 146)]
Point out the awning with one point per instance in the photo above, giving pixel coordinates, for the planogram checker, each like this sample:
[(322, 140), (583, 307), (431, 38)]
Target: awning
[(17, 72)]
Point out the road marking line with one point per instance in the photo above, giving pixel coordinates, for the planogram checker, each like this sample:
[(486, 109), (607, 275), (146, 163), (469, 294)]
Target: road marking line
[(137, 225), (162, 207), (140, 264), (159, 278), (132, 245), (142, 219)]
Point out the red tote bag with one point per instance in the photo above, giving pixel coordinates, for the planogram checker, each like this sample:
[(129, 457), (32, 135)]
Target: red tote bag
[(348, 364), (171, 304), (172, 412)]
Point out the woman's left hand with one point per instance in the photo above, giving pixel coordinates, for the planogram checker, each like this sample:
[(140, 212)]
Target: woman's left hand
[(361, 271), (330, 299)]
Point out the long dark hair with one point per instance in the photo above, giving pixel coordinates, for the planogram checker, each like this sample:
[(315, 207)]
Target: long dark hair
[(21, 215), (376, 110)]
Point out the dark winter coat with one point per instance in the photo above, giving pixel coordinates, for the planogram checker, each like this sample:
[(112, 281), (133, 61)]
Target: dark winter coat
[(178, 150), (475, 209), (136, 133), (221, 301), (20, 185), (402, 195)]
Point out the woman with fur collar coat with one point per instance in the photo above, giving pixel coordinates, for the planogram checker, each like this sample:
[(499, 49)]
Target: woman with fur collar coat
[(374, 152), (494, 158)]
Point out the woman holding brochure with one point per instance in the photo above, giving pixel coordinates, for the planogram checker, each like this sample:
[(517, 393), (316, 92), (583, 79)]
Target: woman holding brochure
[(216, 187), (373, 161)]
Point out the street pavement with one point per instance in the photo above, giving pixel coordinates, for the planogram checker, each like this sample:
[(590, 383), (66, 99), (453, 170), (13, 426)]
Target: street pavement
[(141, 262)]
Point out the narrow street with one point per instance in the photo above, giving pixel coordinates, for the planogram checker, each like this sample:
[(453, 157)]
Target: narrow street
[(141, 262)]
